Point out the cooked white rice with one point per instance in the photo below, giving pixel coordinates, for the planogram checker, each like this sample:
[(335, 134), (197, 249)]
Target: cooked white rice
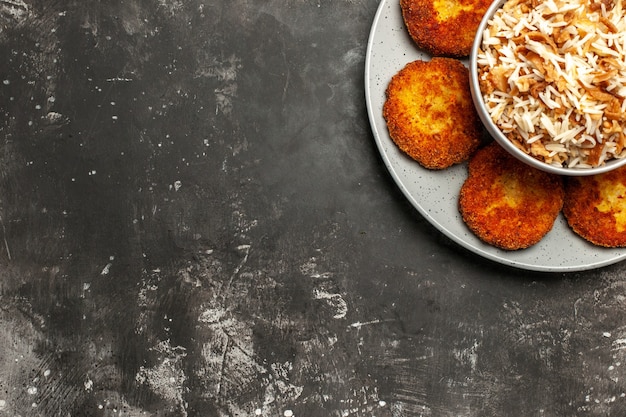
[(553, 77)]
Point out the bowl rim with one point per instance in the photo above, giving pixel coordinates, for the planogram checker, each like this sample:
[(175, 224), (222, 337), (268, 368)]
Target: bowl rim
[(497, 134)]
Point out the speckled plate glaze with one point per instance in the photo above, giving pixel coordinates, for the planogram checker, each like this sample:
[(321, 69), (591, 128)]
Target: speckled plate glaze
[(434, 193)]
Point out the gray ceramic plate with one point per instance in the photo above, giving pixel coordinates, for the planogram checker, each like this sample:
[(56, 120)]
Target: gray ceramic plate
[(434, 193)]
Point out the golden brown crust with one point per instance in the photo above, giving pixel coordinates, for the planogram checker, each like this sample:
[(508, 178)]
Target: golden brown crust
[(444, 27), (430, 114), (595, 207), (507, 203)]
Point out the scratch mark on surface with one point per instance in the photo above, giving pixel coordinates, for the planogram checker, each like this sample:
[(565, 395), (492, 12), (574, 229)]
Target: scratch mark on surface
[(359, 324), (4, 238), (222, 371), (246, 250)]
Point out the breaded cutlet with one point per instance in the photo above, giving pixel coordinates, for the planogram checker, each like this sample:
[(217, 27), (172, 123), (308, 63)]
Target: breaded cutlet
[(595, 207), (429, 112), (507, 203), (443, 27)]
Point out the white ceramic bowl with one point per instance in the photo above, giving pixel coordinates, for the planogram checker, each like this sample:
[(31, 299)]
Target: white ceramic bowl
[(497, 134)]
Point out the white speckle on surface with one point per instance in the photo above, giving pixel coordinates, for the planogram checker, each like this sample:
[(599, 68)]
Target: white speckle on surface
[(606, 334), (88, 385), (177, 185), (17, 9), (619, 344), (106, 269), (468, 355), (54, 116), (288, 413), (32, 390), (336, 300), (211, 315), (167, 378)]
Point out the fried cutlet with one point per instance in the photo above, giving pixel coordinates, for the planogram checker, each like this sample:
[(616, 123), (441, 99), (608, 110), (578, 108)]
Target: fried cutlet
[(595, 207), (507, 203), (444, 27), (430, 114)]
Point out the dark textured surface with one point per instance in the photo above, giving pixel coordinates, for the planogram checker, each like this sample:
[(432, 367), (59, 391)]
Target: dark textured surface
[(195, 222)]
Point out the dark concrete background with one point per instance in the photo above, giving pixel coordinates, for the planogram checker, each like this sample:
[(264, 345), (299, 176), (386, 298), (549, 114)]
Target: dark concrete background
[(195, 221)]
